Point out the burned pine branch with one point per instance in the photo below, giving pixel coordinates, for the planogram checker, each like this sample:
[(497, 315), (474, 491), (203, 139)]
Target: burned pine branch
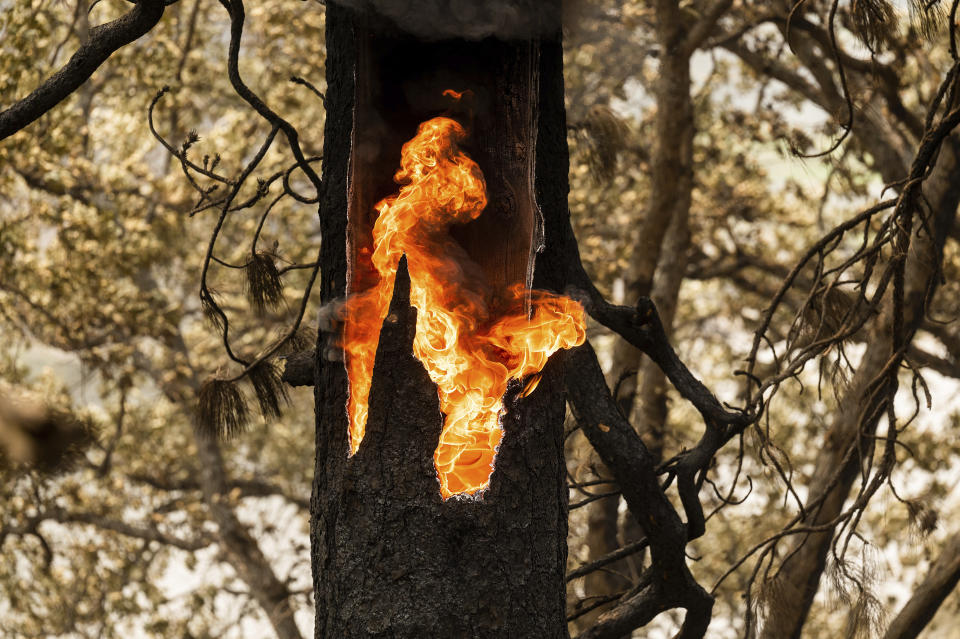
[(641, 326), (146, 532), (625, 455), (104, 40), (237, 15), (206, 297), (265, 285), (606, 560), (299, 368)]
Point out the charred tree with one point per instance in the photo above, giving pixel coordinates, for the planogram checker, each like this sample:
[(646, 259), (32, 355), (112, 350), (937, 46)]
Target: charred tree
[(390, 556)]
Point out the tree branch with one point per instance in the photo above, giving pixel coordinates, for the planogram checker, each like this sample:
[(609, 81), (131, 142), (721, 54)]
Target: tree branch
[(247, 487), (929, 595), (607, 559), (704, 26), (299, 368), (146, 533), (104, 40), (625, 455)]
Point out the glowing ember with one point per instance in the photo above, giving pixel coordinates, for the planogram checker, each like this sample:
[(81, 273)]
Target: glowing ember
[(471, 339)]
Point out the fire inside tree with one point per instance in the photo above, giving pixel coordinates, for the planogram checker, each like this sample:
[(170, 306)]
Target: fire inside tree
[(390, 554), (471, 339), (391, 557)]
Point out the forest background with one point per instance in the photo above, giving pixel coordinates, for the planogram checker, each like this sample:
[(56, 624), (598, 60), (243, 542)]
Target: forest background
[(101, 240)]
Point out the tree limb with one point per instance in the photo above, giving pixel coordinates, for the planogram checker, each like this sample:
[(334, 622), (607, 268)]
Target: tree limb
[(247, 487), (299, 368), (147, 533), (704, 26), (929, 595), (625, 455), (104, 40)]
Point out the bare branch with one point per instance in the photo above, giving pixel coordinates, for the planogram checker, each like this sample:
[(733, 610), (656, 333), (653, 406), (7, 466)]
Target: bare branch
[(104, 40), (705, 25), (147, 533), (625, 455)]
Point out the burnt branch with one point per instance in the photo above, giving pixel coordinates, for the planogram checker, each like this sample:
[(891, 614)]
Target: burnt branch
[(265, 287), (206, 296), (299, 369), (641, 327), (625, 455), (104, 40), (237, 15), (236, 10), (609, 558)]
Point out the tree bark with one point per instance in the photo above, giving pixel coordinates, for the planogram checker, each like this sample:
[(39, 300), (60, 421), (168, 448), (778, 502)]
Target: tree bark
[(390, 557), (241, 550)]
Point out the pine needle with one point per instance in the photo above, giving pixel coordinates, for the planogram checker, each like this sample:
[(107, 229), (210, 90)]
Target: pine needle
[(874, 21), (929, 16), (221, 409), (264, 285), (208, 305), (606, 138), (303, 340), (267, 382), (923, 518)]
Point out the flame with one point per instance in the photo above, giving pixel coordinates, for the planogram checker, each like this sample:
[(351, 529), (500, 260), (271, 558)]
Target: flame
[(471, 340)]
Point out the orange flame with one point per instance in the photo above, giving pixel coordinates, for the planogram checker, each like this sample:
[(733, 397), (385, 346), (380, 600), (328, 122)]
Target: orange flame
[(471, 340)]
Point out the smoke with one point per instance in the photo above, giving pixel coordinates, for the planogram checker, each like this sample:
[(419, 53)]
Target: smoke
[(467, 19)]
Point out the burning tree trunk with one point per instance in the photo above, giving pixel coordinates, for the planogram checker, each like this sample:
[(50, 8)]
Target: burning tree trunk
[(391, 556)]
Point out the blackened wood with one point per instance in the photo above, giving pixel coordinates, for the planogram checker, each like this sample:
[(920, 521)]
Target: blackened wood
[(390, 558), (298, 368), (401, 83)]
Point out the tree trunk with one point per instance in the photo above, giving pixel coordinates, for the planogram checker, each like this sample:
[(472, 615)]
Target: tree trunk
[(390, 557), (240, 549)]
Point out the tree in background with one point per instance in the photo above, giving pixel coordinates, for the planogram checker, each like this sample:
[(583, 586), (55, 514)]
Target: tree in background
[(154, 527), (733, 241), (862, 308)]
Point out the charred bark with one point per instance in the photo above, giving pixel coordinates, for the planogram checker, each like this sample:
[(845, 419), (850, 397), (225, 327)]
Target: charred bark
[(390, 557)]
